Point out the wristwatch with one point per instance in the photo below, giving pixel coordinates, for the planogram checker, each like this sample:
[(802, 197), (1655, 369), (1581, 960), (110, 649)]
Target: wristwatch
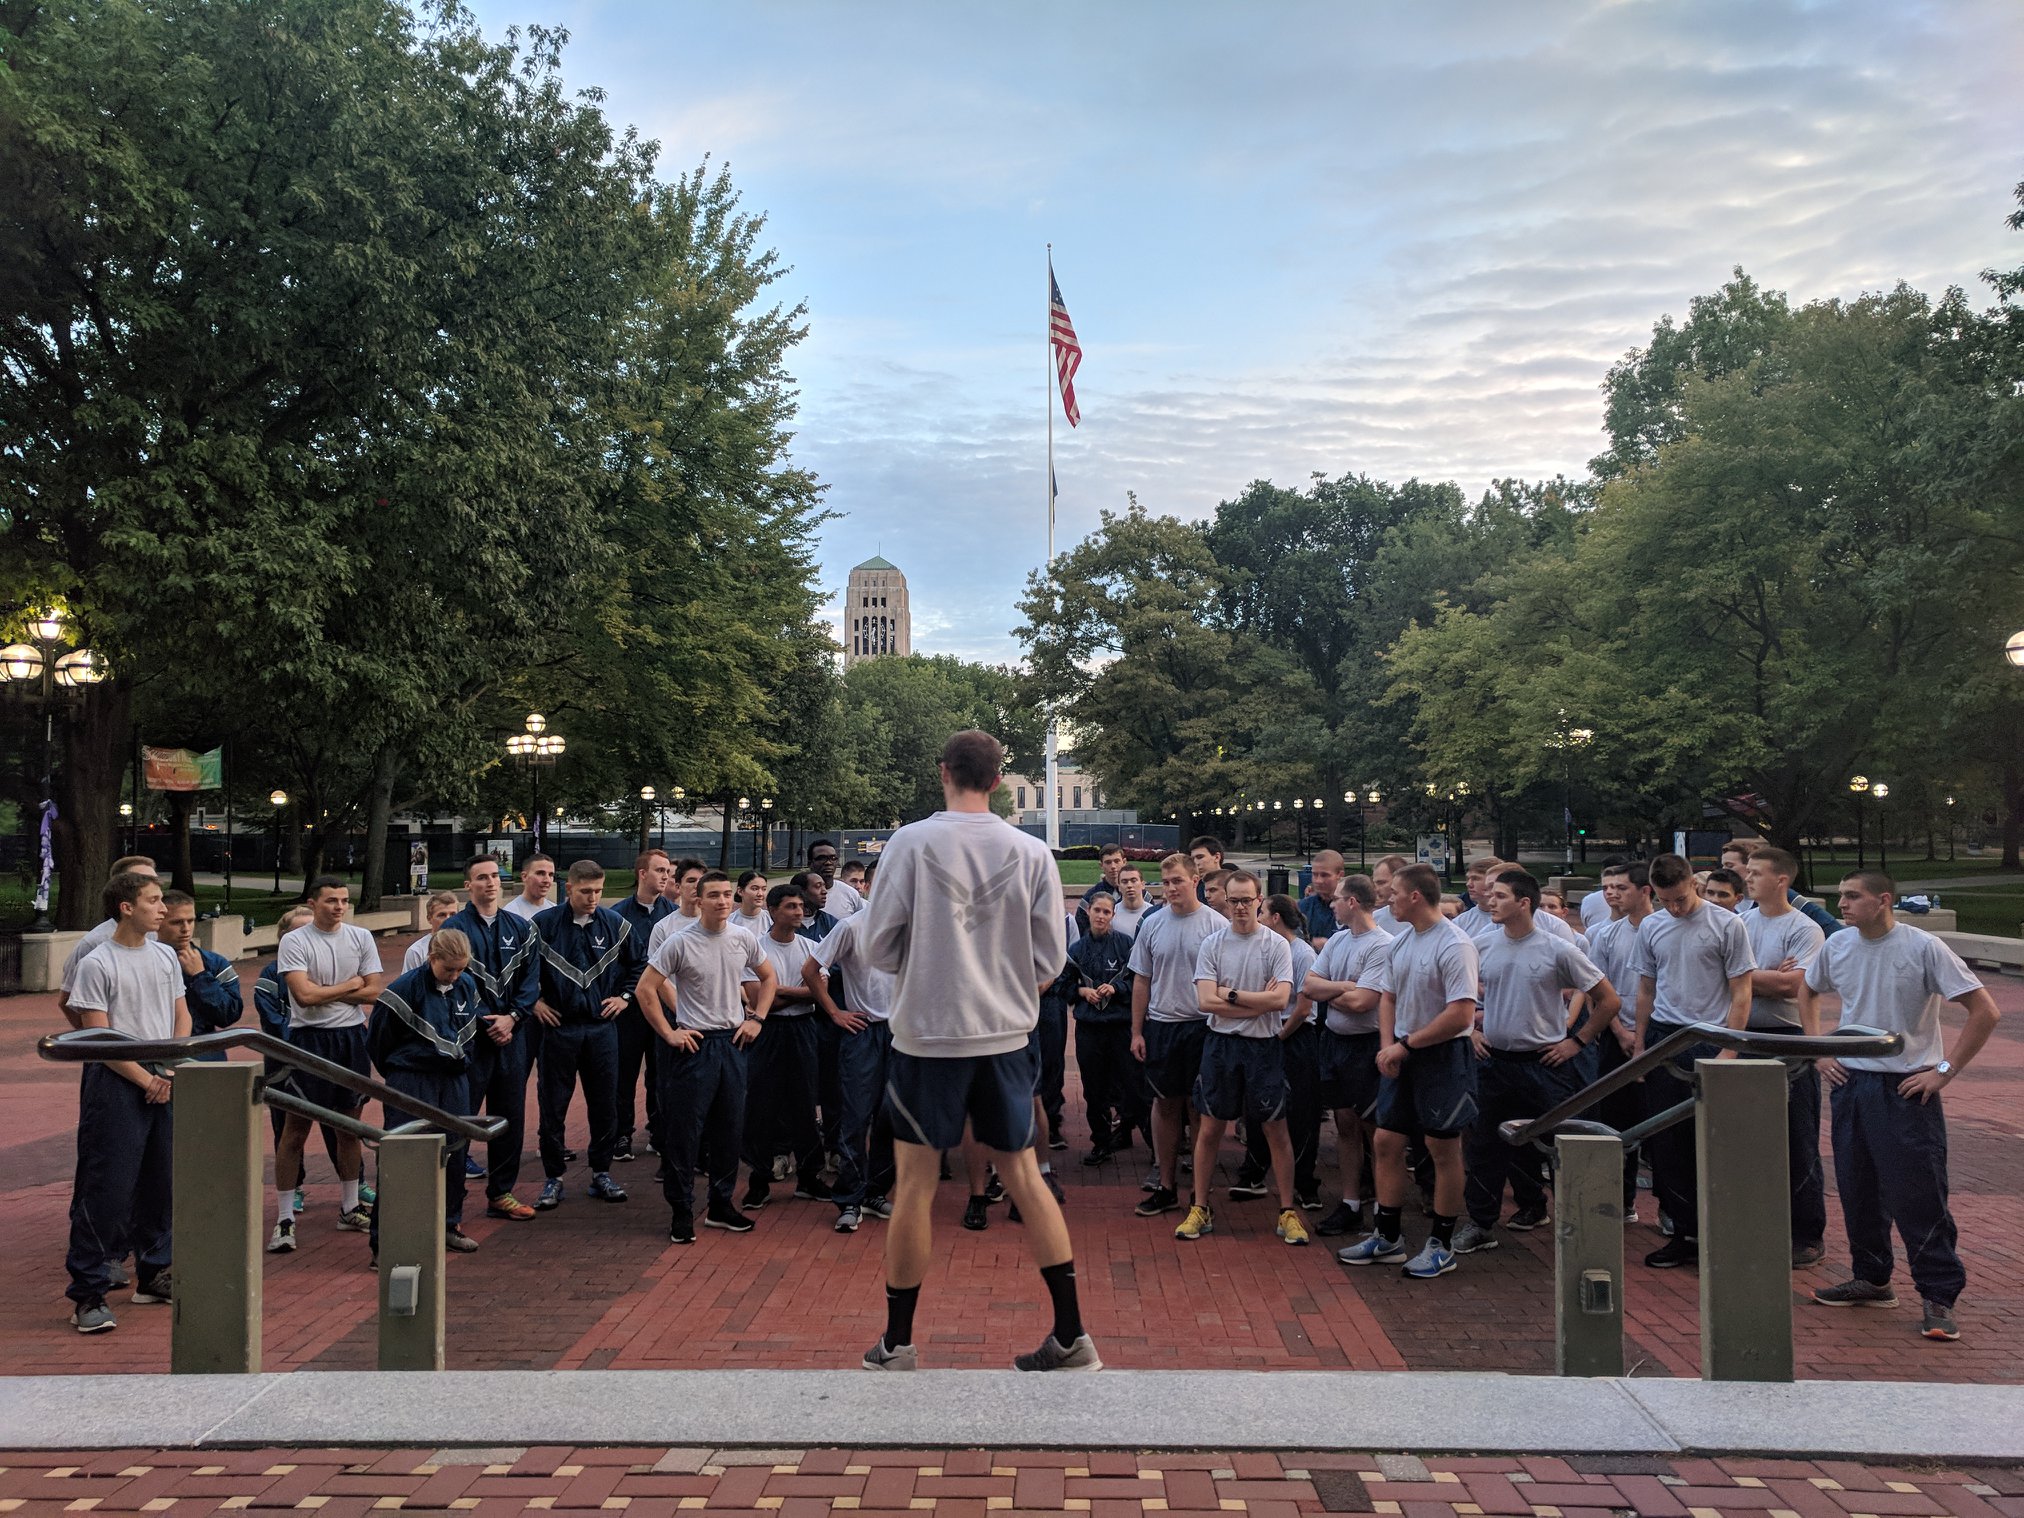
[(1944, 1067), (1230, 996)]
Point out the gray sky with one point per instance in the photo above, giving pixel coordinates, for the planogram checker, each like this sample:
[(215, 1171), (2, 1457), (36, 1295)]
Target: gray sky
[(1400, 240)]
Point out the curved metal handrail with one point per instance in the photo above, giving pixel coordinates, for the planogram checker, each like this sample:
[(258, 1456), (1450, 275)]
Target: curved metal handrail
[(99, 1045), (1855, 1041)]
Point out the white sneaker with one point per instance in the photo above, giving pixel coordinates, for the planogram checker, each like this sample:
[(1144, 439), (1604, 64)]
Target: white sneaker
[(282, 1240), (1081, 1355), (878, 1357)]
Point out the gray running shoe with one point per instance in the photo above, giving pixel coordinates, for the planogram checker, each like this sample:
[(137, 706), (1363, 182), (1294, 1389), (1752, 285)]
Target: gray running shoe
[(878, 1357), (96, 1318), (847, 1219), (1081, 1355), (159, 1287), (1936, 1323), (1856, 1293), (1469, 1238)]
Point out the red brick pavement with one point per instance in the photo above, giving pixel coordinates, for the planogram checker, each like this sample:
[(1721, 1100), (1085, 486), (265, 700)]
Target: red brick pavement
[(658, 1482), (593, 1286)]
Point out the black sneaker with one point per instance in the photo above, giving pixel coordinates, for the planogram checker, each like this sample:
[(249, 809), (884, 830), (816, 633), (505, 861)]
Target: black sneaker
[(816, 1190), (1098, 1155), (1804, 1255), (1856, 1293), (1525, 1219), (159, 1287), (730, 1219), (1051, 1355), (1307, 1201), (1162, 1200), (623, 1149), (1673, 1254), (994, 1190), (569, 1156), (1343, 1219), (757, 1195), (1938, 1323), (977, 1215), (682, 1231), (1247, 1191), (1055, 1141)]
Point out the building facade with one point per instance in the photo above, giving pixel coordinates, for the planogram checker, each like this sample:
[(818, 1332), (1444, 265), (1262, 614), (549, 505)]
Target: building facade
[(1081, 798), (876, 618)]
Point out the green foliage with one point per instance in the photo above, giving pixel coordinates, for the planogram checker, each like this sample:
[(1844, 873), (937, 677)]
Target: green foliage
[(897, 714)]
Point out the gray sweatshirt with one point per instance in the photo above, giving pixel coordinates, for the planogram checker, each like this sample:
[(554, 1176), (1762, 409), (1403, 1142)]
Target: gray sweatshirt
[(967, 916)]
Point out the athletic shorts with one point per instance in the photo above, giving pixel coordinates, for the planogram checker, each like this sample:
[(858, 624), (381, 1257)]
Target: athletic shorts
[(1434, 1096), (1349, 1077), (929, 1100), (1242, 1077), (341, 1046), (1174, 1056)]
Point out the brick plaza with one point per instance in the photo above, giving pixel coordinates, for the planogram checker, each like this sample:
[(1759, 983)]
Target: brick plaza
[(594, 1286)]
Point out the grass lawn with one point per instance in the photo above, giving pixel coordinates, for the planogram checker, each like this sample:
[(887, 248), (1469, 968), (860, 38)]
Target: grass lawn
[(1985, 909)]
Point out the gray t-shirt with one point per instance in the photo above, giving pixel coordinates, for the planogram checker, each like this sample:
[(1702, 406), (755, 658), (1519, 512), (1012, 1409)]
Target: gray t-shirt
[(1165, 952), (1428, 969), (1691, 960), (668, 927), (1361, 958), (1126, 920), (1594, 909), (1897, 983), (102, 933), (1304, 955), (1613, 948), (1244, 962), (1382, 918), (1522, 981), (329, 959), (520, 906), (789, 960), (866, 989), (137, 989), (1773, 940), (705, 969)]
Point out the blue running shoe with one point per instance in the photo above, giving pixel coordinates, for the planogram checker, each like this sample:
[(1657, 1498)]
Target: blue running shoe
[(1373, 1249), (551, 1195), (1434, 1259)]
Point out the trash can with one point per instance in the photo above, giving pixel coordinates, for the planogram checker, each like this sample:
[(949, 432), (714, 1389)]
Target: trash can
[(1275, 880)]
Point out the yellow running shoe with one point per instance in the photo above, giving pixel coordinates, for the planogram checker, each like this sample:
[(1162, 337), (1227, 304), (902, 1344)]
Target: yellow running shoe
[(1198, 1222), (1291, 1229)]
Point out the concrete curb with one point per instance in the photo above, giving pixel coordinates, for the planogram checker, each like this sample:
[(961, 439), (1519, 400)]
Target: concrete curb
[(1211, 1410)]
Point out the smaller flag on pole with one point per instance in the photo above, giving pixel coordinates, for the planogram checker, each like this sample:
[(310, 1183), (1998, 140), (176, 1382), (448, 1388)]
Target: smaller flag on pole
[(1053, 495), (1067, 351)]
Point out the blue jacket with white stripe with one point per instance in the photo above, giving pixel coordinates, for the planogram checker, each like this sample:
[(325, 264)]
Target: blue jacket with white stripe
[(584, 963), (505, 960), (418, 1026)]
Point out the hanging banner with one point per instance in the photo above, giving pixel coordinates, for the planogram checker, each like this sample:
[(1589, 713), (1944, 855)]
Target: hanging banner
[(182, 769)]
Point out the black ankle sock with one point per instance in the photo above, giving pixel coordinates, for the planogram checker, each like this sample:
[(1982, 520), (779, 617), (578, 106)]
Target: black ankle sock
[(900, 1302), (1444, 1230), (1387, 1223), (1060, 1281)]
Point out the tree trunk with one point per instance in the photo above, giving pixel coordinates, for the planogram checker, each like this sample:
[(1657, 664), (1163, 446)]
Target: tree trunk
[(182, 870), (386, 773), (93, 748)]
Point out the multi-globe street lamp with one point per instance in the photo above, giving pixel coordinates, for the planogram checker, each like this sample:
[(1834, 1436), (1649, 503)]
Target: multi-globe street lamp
[(536, 748), (45, 674), (1858, 786)]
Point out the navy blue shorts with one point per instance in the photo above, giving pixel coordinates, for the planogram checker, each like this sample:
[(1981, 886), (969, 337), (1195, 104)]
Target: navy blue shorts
[(1434, 1096), (1242, 1077), (1349, 1078), (341, 1046), (929, 1100), (1174, 1056)]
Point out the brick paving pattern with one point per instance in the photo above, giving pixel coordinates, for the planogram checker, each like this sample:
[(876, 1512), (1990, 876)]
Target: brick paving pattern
[(973, 1483), (593, 1286)]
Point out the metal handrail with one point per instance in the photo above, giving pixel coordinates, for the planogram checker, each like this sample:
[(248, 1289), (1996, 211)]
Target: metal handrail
[(1855, 1041), (100, 1045)]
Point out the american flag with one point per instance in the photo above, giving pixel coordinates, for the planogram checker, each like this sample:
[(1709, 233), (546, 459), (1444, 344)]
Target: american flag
[(1067, 351)]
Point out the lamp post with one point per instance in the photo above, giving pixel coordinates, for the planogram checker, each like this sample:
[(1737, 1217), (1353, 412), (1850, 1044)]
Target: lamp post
[(1858, 786), (765, 834), (278, 799), (676, 795), (126, 823), (1881, 791), (45, 673), (646, 802), (536, 748), (1567, 739), (1950, 828)]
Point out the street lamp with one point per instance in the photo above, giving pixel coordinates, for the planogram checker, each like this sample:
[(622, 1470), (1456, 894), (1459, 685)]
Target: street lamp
[(1950, 827), (765, 834), (1881, 791), (278, 799), (1566, 739), (2014, 649), (1858, 785), (45, 665), (646, 804), (536, 748)]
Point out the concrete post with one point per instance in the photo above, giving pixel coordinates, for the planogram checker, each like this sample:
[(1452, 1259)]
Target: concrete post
[(1588, 1255), (1746, 1220), (411, 1252), (215, 1329)]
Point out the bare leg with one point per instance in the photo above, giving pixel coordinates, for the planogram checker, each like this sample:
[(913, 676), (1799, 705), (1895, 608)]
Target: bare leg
[(350, 1156), (1169, 1114), (1046, 1233), (288, 1152), (910, 1232), (1279, 1141), (1393, 1181), (1447, 1155), (1208, 1139), (1349, 1150)]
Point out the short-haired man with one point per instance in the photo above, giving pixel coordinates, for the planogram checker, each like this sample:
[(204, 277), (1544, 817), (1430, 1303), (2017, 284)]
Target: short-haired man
[(1132, 906), (692, 994), (1784, 942), (840, 898), (1318, 906), (1346, 983), (1381, 875), (1724, 888), (1612, 945), (210, 984), (537, 887), (590, 969), (1243, 974), (334, 976), (817, 922), (783, 1070), (1594, 908), (1693, 964), (505, 964), (1473, 919), (1531, 1060), (1211, 887), (270, 1004), (1206, 854), (420, 1034), (1427, 1067), (856, 874), (637, 1046), (121, 1197), (1890, 1134), (866, 1165), (684, 883), (1097, 987), (1109, 861), (1736, 855), (1168, 1027), (968, 920), (437, 910), (126, 864)]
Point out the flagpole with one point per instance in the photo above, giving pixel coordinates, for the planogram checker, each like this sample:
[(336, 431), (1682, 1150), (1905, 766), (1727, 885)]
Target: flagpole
[(1053, 780)]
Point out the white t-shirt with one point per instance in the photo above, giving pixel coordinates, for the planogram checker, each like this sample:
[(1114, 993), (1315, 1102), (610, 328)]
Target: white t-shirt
[(1773, 940), (1522, 980), (1244, 962), (845, 900), (102, 933), (520, 906), (1613, 948), (1428, 969), (1166, 951), (789, 959), (866, 989), (1896, 983), (418, 953), (668, 927), (705, 969), (1359, 958), (137, 989), (1594, 909), (329, 959), (758, 923), (1126, 920), (1691, 959)]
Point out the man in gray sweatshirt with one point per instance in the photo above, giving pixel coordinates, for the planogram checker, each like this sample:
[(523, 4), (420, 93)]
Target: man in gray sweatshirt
[(967, 918)]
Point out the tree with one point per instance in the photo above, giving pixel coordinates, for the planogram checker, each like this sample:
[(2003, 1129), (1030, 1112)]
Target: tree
[(900, 710)]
